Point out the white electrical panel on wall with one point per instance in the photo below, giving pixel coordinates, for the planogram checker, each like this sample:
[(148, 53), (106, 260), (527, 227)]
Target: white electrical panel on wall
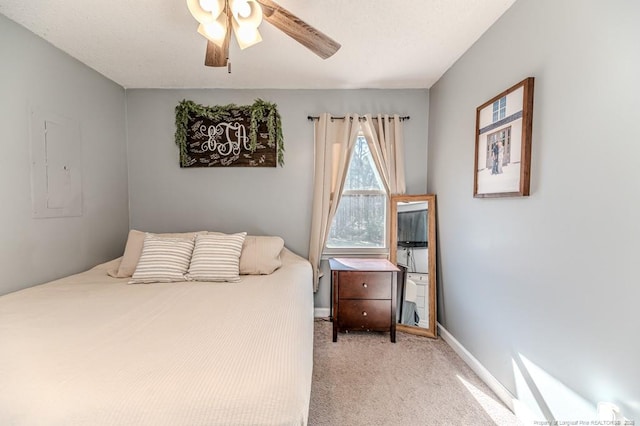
[(56, 173)]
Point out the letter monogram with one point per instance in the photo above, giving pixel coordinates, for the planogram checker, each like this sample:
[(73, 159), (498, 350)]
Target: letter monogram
[(225, 138)]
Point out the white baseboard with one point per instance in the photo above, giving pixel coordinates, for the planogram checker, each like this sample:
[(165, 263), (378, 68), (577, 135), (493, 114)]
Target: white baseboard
[(484, 374), (321, 312)]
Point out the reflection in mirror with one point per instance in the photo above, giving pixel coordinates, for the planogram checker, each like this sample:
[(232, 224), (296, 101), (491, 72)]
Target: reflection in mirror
[(413, 236), (412, 256)]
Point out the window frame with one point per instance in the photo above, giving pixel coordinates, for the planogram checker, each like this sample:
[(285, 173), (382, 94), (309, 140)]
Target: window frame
[(499, 109), (381, 252)]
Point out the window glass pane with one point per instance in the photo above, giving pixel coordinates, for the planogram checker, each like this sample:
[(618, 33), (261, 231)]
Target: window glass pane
[(359, 222), (499, 109), (361, 216), (362, 173)]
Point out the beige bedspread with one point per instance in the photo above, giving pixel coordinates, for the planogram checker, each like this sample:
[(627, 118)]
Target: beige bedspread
[(94, 350)]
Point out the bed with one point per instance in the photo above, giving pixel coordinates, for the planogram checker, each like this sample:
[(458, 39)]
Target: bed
[(90, 349)]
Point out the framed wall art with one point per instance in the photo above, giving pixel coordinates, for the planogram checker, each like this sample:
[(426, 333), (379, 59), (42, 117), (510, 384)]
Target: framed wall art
[(229, 135), (503, 143)]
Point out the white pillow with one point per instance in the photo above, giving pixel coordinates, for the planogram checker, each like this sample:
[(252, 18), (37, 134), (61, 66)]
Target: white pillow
[(163, 260), (216, 258), (260, 255)]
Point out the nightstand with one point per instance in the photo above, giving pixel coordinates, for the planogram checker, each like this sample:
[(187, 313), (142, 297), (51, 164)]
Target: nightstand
[(364, 295)]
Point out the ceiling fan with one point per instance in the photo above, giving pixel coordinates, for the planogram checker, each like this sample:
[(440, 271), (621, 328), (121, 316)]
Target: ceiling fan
[(218, 18)]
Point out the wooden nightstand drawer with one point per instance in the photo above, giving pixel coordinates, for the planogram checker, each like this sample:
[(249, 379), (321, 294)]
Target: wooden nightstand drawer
[(363, 295), (364, 285), (364, 314)]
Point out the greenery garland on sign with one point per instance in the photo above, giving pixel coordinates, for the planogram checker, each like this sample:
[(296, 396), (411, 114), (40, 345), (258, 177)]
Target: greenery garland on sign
[(260, 112)]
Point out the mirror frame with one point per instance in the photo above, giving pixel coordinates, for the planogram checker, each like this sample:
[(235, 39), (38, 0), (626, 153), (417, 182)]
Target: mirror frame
[(432, 331)]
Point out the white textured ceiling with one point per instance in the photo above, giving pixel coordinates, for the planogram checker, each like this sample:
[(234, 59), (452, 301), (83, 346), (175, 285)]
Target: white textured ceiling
[(154, 44)]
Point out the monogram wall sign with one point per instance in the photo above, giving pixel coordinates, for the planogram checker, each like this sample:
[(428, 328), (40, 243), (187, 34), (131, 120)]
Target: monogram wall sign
[(230, 135)]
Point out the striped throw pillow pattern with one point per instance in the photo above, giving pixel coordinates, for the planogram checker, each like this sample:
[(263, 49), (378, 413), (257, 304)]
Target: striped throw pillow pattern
[(163, 260), (216, 257)]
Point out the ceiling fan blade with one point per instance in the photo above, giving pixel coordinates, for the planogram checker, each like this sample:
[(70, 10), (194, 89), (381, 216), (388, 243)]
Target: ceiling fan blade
[(216, 56), (313, 39)]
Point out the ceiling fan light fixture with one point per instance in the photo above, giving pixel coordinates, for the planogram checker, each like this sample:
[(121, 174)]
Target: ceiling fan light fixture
[(247, 12), (247, 36), (214, 7), (215, 31), (240, 7), (200, 14)]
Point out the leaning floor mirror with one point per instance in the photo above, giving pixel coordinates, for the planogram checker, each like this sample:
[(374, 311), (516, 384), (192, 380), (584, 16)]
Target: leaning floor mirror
[(413, 250)]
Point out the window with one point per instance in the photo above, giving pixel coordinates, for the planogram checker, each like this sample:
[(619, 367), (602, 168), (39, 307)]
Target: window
[(360, 220), (499, 109)]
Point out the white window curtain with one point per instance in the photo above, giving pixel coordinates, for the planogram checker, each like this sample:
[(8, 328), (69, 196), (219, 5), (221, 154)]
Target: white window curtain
[(334, 142), (385, 139)]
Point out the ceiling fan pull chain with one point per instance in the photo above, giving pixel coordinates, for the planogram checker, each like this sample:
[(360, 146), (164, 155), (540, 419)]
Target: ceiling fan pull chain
[(228, 66)]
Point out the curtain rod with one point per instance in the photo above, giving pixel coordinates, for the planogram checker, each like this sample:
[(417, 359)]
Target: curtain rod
[(313, 118)]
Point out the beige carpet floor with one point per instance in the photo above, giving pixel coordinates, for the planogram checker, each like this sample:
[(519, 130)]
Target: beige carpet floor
[(364, 379)]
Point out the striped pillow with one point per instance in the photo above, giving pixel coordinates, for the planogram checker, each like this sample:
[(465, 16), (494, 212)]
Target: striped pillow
[(163, 260), (216, 258)]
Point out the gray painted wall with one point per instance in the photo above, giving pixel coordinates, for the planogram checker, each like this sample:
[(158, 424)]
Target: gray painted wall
[(33, 73), (552, 277), (261, 201)]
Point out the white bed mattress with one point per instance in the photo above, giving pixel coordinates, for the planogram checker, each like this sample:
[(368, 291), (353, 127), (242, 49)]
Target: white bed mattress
[(93, 350)]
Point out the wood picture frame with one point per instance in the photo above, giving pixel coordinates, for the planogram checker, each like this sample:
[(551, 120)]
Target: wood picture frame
[(502, 165), (423, 263)]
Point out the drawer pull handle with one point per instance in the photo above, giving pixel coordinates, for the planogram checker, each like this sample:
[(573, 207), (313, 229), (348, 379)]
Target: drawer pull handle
[(364, 313), (364, 285)]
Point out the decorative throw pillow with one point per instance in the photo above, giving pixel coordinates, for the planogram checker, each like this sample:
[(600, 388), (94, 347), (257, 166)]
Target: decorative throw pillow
[(216, 257), (133, 250), (163, 260), (260, 255)]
